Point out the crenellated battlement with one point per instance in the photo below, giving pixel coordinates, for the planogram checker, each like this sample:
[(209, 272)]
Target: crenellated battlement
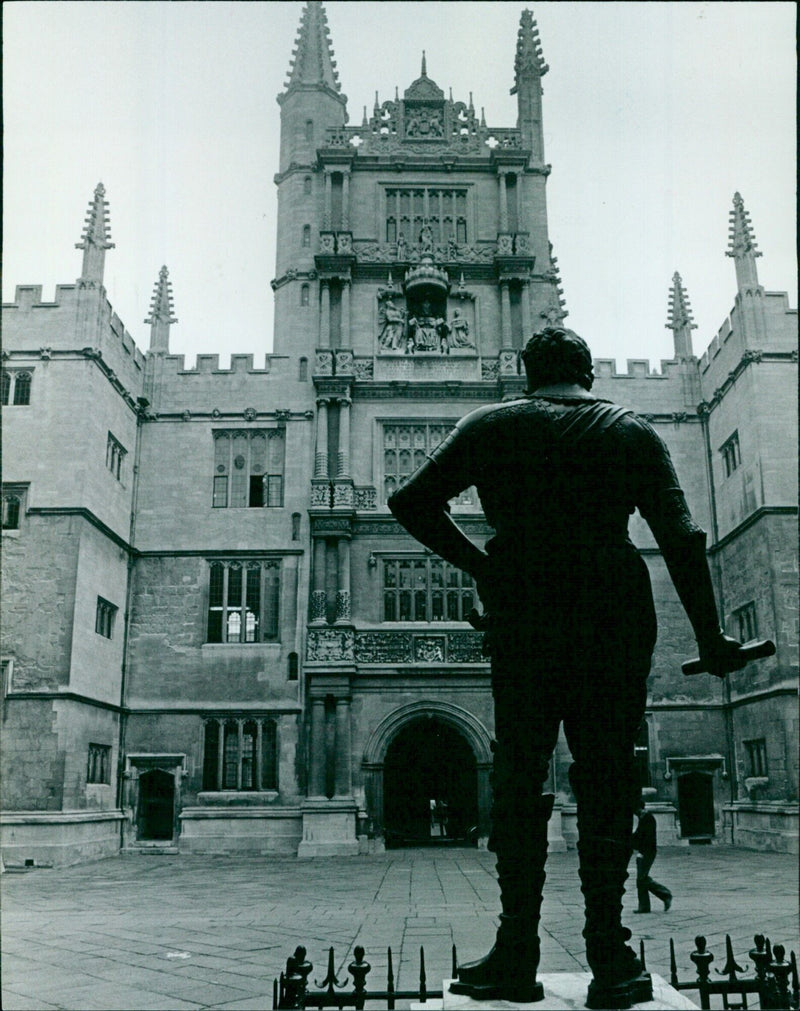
[(637, 368), (55, 324), (209, 365)]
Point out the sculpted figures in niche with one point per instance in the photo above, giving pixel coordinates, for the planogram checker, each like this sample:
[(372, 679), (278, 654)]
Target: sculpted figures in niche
[(459, 331), (392, 326)]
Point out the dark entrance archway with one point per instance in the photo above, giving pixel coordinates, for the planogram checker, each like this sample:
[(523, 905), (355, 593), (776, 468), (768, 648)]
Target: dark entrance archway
[(696, 805), (155, 815), (430, 786)]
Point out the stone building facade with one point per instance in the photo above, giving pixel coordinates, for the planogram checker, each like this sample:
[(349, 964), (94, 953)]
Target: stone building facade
[(216, 638)]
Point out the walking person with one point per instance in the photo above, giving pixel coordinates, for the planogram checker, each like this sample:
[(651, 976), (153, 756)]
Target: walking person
[(571, 628), (644, 842)]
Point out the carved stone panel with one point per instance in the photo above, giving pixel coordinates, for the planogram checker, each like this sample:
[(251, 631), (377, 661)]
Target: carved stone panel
[(330, 644), (430, 648), (465, 647), (384, 647)]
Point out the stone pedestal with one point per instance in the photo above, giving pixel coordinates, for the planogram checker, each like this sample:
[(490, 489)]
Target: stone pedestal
[(563, 991), (555, 833), (329, 829)]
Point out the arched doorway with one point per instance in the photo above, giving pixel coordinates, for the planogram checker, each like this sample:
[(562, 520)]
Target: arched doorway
[(430, 786), (156, 809)]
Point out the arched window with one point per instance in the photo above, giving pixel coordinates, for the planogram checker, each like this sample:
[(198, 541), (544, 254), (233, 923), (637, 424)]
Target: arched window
[(391, 230), (307, 185), (302, 372), (22, 388), (293, 666), (303, 294), (6, 387), (306, 235), (309, 129)]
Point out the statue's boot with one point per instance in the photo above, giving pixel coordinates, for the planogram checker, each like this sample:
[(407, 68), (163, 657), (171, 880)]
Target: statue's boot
[(619, 979), (508, 971)]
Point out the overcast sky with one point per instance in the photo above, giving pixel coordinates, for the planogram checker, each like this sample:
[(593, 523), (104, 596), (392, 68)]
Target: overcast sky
[(654, 115)]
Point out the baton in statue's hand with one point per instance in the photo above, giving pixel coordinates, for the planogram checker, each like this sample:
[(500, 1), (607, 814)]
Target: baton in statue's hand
[(756, 649)]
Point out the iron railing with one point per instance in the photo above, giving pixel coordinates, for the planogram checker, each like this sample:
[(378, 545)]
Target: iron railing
[(774, 980)]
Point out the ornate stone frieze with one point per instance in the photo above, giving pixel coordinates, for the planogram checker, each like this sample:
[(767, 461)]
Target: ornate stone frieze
[(442, 252), (490, 369), (364, 368), (408, 647), (465, 647), (330, 644), (365, 498), (384, 647)]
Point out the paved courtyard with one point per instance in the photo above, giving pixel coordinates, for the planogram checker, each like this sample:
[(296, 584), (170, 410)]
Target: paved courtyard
[(175, 932)]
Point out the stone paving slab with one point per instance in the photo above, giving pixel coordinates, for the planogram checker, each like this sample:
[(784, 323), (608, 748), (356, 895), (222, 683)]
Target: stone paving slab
[(184, 932)]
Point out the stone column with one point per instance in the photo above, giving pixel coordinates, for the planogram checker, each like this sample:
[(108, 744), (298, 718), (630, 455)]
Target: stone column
[(345, 339), (317, 745), (525, 301), (328, 209), (343, 586), (343, 785), (319, 597), (505, 326), (501, 179), (325, 315), (321, 453), (343, 462), (345, 201)]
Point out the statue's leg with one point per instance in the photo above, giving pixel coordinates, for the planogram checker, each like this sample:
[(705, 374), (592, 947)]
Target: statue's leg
[(526, 736), (604, 781)]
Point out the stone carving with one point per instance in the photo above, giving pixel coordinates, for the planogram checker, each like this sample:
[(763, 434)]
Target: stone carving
[(343, 363), (509, 363), (427, 332), (428, 123), (216, 413), (327, 243), (323, 362), (321, 494), (344, 243), (364, 368), (332, 644), (459, 332), (504, 245), (392, 326), (186, 416), (384, 647), (343, 605), (250, 414), (365, 498), (342, 494), (465, 647), (442, 252), (319, 605), (490, 369), (429, 649)]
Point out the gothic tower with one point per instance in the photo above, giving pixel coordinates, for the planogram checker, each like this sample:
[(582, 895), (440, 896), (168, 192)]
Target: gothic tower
[(311, 104)]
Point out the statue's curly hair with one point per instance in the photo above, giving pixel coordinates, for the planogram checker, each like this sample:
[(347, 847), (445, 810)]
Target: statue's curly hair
[(557, 355)]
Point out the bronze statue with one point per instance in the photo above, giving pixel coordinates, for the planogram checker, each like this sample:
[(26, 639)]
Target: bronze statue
[(571, 628)]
